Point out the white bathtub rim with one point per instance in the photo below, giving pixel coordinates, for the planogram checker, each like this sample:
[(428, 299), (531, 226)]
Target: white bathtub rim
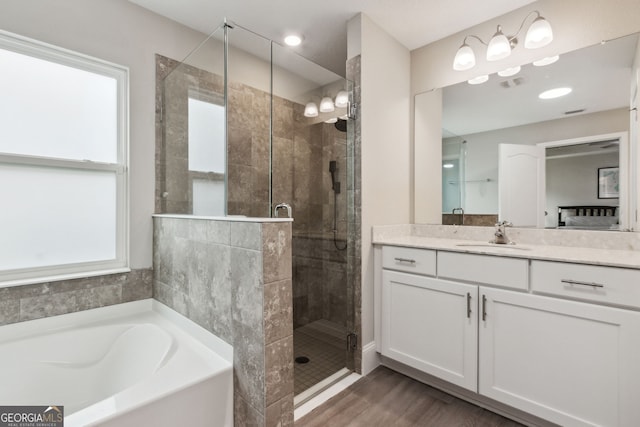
[(47, 325)]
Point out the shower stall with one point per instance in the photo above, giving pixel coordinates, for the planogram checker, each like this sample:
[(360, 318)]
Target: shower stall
[(235, 137)]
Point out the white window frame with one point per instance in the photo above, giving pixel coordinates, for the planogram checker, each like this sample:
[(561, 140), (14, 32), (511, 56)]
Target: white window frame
[(120, 263)]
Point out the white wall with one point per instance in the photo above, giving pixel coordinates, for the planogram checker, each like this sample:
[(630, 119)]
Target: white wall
[(385, 125)]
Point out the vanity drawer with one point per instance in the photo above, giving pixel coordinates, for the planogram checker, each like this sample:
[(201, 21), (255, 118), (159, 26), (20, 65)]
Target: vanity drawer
[(484, 269), (590, 282), (411, 260)]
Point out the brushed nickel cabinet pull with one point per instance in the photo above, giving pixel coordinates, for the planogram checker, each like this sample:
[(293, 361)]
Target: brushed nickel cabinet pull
[(577, 282), (407, 260), (484, 308), (468, 305)]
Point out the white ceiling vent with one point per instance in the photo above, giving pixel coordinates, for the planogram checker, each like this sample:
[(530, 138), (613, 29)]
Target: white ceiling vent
[(517, 81)]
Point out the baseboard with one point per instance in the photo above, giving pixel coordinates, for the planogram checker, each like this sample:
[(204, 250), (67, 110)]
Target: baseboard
[(370, 358)]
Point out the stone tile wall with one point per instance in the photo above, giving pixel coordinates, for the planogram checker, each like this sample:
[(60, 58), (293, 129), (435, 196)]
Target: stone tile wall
[(319, 281), (29, 302), (234, 279), (354, 216)]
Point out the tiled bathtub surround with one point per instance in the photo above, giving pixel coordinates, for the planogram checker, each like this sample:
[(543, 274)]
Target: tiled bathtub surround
[(234, 279), (28, 302)]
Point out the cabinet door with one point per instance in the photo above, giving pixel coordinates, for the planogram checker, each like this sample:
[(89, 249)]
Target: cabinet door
[(431, 325), (572, 363)]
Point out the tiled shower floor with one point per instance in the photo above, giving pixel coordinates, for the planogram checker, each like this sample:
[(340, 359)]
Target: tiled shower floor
[(326, 353)]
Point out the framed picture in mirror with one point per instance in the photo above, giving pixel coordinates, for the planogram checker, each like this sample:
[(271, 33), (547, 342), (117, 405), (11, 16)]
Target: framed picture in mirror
[(608, 183)]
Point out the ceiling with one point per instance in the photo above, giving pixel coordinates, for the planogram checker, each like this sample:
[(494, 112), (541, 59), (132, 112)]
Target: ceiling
[(323, 24)]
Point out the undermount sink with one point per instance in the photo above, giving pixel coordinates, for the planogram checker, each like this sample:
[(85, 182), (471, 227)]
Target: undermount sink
[(493, 245)]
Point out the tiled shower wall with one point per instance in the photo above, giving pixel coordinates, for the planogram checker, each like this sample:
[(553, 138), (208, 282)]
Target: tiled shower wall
[(302, 150), (28, 302), (234, 279), (354, 209)]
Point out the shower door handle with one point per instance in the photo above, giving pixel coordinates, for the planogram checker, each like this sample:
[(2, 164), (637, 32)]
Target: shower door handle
[(282, 206)]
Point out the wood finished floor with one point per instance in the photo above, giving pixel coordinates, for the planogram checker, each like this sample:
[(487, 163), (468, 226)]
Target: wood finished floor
[(387, 398)]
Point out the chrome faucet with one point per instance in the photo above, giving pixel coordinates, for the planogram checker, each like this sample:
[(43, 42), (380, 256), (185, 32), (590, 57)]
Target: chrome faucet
[(453, 212), (501, 234), (282, 206)]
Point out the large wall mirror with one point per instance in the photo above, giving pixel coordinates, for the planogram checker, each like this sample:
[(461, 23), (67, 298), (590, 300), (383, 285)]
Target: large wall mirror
[(552, 163)]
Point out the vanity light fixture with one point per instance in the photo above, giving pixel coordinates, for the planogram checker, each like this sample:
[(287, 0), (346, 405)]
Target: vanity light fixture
[(293, 40), (342, 99), (539, 34), (478, 80), (311, 110), (326, 105), (546, 61), (508, 72), (555, 93)]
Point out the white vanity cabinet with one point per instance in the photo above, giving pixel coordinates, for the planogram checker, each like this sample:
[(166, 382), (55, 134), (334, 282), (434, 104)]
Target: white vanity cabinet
[(431, 325), (545, 336), (572, 363)]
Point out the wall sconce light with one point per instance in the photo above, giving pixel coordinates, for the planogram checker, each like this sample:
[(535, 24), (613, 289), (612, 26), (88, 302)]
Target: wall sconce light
[(499, 47)]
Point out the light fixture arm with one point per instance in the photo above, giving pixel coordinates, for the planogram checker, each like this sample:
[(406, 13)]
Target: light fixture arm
[(475, 37), (523, 22)]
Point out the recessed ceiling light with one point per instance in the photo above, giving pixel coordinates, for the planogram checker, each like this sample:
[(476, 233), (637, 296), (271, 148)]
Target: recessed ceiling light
[(546, 61), (293, 40), (478, 80), (555, 93), (509, 71)]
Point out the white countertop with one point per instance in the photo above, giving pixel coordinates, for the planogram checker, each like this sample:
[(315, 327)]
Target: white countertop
[(584, 255)]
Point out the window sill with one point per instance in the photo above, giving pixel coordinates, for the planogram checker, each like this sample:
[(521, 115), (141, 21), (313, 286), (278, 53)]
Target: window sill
[(61, 277)]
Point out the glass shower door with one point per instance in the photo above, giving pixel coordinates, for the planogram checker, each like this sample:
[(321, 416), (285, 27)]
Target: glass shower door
[(309, 172)]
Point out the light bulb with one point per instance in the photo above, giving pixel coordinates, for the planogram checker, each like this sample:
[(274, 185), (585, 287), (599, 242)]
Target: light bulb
[(342, 99), (478, 80), (293, 40), (465, 58), (326, 105), (539, 34), (546, 61), (509, 71), (499, 46), (311, 110), (555, 93)]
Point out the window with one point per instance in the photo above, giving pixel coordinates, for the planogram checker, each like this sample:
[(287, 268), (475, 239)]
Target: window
[(63, 163), (206, 155)]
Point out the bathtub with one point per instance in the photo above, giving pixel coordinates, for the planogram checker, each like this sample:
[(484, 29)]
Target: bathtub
[(134, 364)]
